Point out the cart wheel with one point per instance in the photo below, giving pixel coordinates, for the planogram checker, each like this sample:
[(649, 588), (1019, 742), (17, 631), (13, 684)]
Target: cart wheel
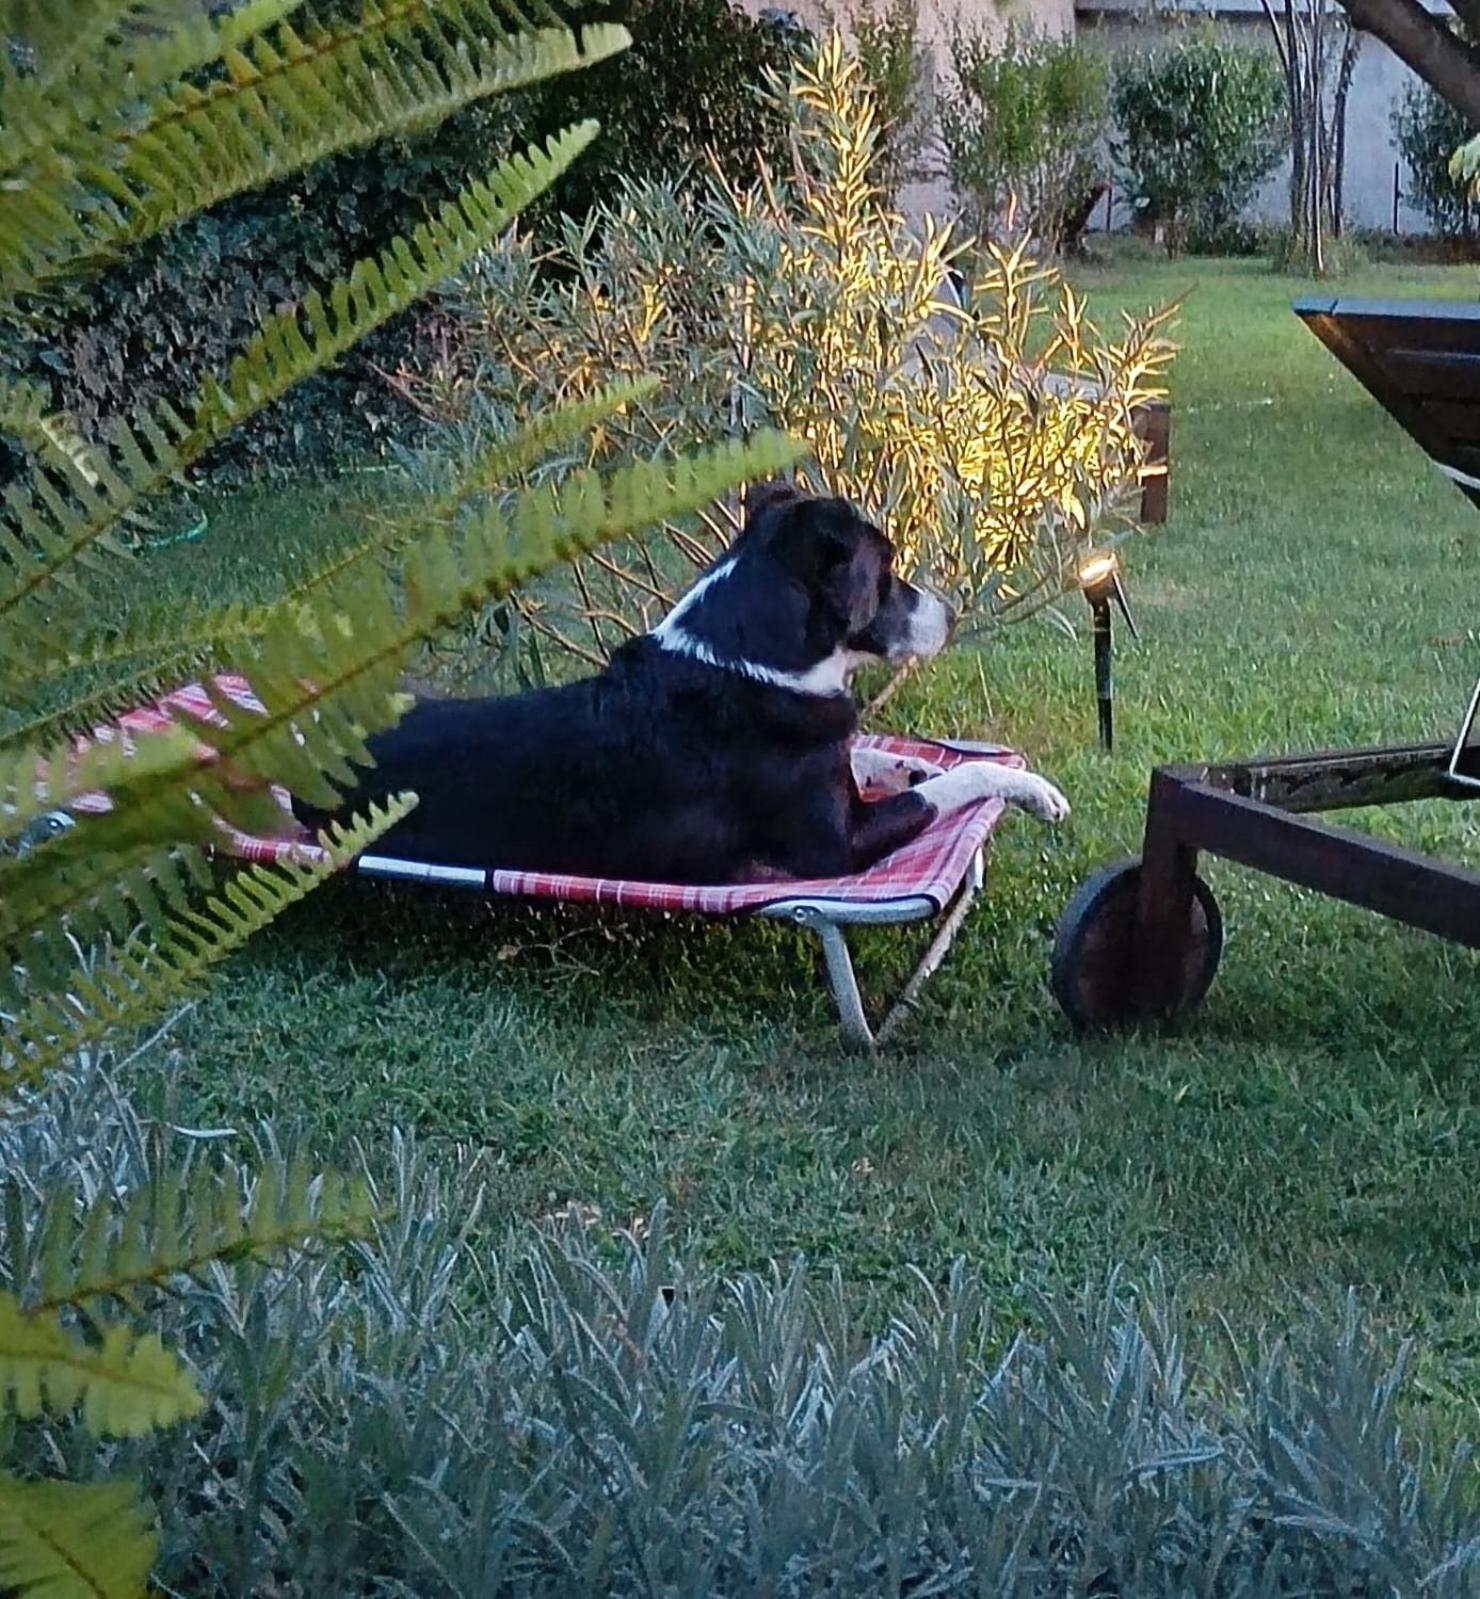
[(1090, 969)]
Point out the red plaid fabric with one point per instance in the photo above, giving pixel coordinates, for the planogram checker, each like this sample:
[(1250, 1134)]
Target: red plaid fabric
[(931, 867), (193, 704)]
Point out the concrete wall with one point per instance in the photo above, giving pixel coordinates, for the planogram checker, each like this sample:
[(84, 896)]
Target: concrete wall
[(1377, 86), (938, 19)]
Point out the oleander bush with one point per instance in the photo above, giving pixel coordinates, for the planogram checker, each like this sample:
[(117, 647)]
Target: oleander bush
[(993, 434)]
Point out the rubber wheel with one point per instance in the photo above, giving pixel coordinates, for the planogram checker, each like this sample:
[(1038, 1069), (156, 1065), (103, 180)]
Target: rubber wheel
[(1090, 970)]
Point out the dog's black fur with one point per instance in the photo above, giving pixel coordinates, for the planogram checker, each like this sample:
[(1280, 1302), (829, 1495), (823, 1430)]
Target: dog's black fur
[(680, 762)]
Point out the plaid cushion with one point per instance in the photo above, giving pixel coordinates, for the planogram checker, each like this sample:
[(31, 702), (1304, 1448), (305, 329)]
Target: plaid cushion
[(931, 867)]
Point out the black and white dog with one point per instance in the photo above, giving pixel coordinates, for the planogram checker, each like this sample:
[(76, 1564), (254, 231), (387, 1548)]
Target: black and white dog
[(714, 749)]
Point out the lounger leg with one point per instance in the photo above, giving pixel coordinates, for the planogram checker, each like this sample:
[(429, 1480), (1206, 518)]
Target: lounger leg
[(939, 947), (857, 1034)]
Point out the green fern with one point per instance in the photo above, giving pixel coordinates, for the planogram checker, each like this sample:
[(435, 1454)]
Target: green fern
[(147, 972), (47, 525), (125, 1385), (64, 1540), (181, 1222), (278, 101)]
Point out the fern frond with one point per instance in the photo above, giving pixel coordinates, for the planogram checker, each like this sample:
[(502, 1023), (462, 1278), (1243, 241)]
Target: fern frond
[(326, 669), (50, 521), (487, 470), (145, 976), (46, 527), (97, 1255), (34, 780), (126, 1384), (74, 1540), (305, 339), (75, 47), (283, 101)]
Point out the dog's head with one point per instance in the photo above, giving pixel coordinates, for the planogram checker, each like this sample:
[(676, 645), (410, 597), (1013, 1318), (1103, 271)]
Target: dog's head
[(808, 592)]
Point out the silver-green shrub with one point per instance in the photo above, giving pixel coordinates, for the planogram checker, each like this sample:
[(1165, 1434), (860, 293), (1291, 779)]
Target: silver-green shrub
[(558, 1412)]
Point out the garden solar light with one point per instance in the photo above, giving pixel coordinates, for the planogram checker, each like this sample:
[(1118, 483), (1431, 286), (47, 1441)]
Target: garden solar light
[(1099, 576)]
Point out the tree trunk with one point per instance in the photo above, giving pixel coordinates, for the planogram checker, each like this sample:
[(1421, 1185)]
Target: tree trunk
[(1351, 46), (1443, 60)]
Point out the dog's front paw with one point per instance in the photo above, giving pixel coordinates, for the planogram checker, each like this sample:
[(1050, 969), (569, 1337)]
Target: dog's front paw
[(1039, 797)]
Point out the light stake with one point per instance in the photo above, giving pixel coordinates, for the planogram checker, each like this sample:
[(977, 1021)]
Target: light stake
[(1099, 576)]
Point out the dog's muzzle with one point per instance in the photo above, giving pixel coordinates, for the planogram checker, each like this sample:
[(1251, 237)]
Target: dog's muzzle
[(929, 625)]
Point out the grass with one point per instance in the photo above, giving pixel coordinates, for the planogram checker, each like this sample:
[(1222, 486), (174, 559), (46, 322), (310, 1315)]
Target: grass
[(1317, 1124)]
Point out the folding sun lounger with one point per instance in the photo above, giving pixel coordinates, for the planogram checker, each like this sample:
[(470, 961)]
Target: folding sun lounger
[(936, 875)]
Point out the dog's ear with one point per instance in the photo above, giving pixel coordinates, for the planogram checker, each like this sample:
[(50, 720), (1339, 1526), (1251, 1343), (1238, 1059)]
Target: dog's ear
[(767, 496)]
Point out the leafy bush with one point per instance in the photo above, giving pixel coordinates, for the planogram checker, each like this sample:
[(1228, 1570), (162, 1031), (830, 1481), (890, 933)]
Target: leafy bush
[(567, 1413), (1201, 124), (1429, 132), (184, 302), (1022, 125), (690, 89), (994, 440), (897, 70), (118, 124)]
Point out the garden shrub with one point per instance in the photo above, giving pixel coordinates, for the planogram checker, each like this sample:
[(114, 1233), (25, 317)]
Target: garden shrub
[(1201, 123), (1022, 126), (690, 90), (994, 439), (898, 73), (448, 1409), (1429, 131)]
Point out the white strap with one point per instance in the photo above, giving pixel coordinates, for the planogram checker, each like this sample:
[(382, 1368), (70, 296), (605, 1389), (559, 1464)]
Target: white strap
[(1464, 479)]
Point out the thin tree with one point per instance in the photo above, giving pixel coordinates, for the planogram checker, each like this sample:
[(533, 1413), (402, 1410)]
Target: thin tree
[(1318, 54)]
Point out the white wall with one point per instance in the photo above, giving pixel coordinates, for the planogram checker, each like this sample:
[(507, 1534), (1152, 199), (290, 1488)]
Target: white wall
[(1377, 86)]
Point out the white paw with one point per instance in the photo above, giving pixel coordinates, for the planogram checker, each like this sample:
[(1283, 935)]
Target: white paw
[(1038, 797), (878, 773)]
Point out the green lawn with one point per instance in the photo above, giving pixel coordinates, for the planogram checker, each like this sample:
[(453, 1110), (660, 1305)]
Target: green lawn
[(1318, 1124)]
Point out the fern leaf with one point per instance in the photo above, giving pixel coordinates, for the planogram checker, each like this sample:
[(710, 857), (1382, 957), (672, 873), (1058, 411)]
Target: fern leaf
[(145, 977), (488, 469), (45, 528), (49, 522), (283, 101), (34, 780), (127, 1384), (71, 1540), (184, 1220), (298, 342), (326, 670)]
